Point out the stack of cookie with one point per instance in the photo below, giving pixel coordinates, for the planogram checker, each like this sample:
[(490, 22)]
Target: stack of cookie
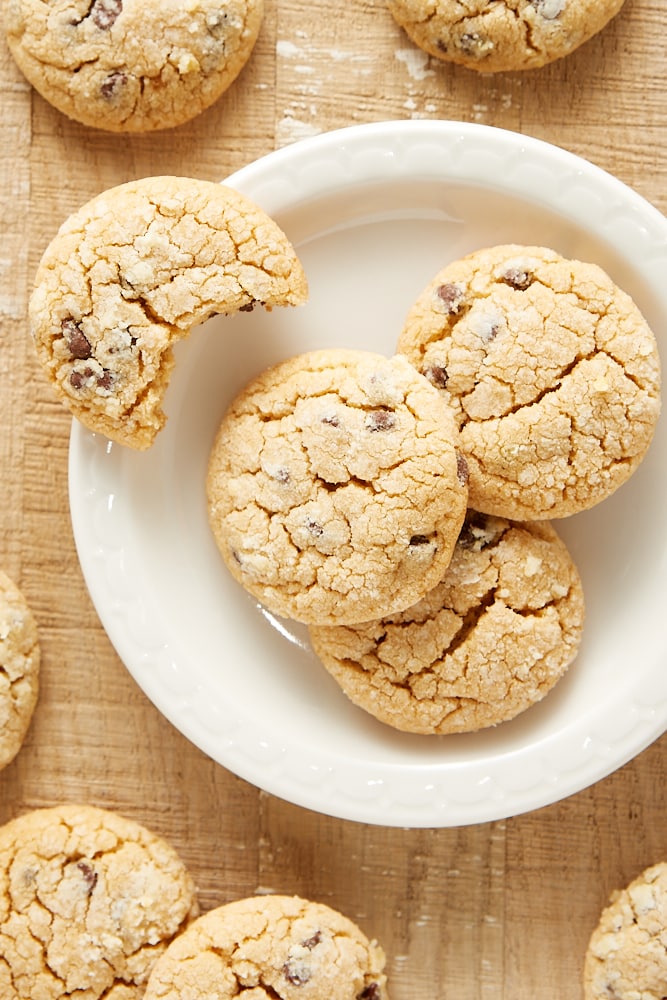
[(400, 506)]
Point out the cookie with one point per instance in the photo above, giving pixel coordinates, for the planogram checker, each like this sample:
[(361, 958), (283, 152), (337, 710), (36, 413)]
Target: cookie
[(130, 274), (504, 35), (270, 946), (132, 65), (490, 640), (88, 901), (627, 953), (553, 373), (19, 669), (335, 488)]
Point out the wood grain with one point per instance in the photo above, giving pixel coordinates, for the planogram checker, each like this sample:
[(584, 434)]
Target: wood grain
[(500, 910)]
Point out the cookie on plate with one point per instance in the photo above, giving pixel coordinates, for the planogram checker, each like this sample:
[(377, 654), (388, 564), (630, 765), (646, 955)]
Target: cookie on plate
[(505, 35), (130, 274), (335, 488), (132, 65), (270, 946), (490, 640), (88, 901), (626, 956), (552, 371), (19, 668)]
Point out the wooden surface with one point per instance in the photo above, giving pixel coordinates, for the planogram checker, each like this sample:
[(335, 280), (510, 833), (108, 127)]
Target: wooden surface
[(500, 910)]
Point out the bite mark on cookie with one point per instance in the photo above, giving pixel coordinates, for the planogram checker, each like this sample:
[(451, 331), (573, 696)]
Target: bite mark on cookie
[(132, 273)]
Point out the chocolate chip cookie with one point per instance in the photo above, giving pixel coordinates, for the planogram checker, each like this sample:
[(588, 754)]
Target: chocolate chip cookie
[(130, 274), (626, 956), (504, 35), (552, 371), (335, 487), (132, 65), (88, 902), (270, 946), (19, 668), (490, 640)]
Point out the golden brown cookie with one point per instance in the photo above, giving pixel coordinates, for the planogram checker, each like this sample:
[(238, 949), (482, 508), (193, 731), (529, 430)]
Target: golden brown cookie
[(553, 373), (19, 669), (270, 946), (130, 274), (335, 488), (490, 640), (88, 902), (505, 34), (132, 65), (627, 953)]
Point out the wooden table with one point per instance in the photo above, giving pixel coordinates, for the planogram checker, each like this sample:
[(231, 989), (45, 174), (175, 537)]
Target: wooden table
[(499, 910)]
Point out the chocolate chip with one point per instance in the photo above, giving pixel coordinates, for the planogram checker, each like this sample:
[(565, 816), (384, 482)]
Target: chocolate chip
[(332, 421), (420, 540), (370, 992), (113, 84), (462, 471), (296, 973), (472, 44), (437, 375), (77, 343), (89, 874), (105, 12), (517, 278), (314, 528), (281, 475), (78, 379), (451, 295), (380, 420), (311, 942), (475, 533)]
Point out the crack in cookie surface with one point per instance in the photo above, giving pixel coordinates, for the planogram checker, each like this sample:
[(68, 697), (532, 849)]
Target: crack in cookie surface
[(552, 371), (503, 35), (271, 947), (134, 65), (335, 485), (130, 274), (88, 900), (490, 640)]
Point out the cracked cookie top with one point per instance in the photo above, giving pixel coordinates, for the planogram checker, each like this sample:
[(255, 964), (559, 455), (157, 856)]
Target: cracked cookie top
[(627, 953), (88, 901), (552, 371), (19, 668), (504, 35), (131, 273), (335, 488), (280, 947), (132, 65), (490, 640)]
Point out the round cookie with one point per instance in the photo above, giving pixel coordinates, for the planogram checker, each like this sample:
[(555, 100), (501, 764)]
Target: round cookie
[(335, 489), (627, 953), (270, 946), (132, 65), (490, 640), (88, 902), (130, 274), (19, 669), (552, 371), (504, 35)]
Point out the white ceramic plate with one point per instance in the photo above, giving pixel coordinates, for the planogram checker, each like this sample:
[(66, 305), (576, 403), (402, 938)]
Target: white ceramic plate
[(375, 211)]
